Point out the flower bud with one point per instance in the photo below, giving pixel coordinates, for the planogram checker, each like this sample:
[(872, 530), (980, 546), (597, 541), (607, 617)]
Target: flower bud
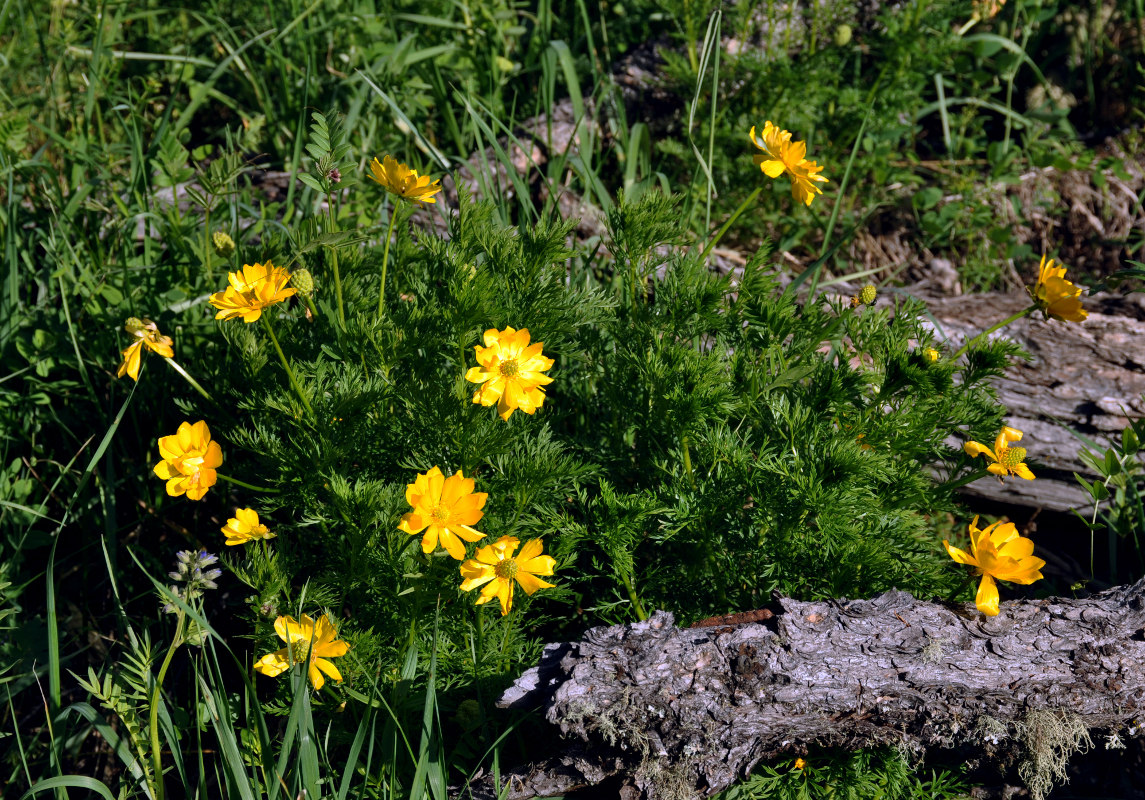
[(303, 281), (224, 244)]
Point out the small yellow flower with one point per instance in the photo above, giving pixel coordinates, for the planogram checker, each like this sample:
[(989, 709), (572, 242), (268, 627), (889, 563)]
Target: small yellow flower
[(147, 335), (307, 643), (510, 372), (189, 460), (998, 553), (799, 763), (1007, 460), (399, 179), (496, 569), (244, 527), (252, 289), (444, 508), (931, 354), (780, 155), (1055, 296)]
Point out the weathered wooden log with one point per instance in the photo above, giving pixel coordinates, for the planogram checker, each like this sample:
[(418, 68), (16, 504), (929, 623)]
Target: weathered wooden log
[(670, 712), (1087, 377)]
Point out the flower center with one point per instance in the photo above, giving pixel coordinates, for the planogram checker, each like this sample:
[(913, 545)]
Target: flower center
[(440, 514), (509, 368), (506, 569), (1011, 457)]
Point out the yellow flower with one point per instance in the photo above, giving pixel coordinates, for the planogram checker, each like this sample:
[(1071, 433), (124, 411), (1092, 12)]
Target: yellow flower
[(147, 335), (244, 527), (189, 460), (496, 569), (399, 179), (931, 354), (307, 643), (444, 508), (510, 372), (799, 763), (998, 553), (1007, 460), (780, 155), (1055, 296), (251, 290)]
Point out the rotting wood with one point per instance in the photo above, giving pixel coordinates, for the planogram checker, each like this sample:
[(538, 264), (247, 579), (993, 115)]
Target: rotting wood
[(663, 712)]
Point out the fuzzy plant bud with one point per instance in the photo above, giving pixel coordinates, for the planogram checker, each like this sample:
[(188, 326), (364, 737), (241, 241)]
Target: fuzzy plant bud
[(303, 281), (865, 297), (192, 576), (224, 244)]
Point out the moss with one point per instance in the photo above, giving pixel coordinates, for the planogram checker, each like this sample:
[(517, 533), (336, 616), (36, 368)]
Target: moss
[(1049, 738)]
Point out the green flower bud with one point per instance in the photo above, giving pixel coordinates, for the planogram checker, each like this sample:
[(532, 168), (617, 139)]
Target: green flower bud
[(303, 281), (842, 35), (224, 244)]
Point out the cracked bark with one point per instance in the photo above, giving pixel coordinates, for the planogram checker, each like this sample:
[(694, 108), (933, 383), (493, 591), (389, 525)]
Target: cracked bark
[(666, 712)]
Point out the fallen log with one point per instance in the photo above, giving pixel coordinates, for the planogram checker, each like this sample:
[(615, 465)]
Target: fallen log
[(665, 712)]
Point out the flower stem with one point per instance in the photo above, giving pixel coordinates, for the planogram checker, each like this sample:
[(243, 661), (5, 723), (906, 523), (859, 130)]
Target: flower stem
[(156, 750), (632, 596), (245, 485), (997, 326), (175, 366), (958, 484), (286, 364), (731, 220), (386, 261), (334, 262)]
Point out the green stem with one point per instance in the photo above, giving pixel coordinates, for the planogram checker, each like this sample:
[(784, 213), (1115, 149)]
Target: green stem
[(207, 242), (156, 750), (731, 220), (950, 486), (334, 261), (245, 485), (175, 366), (386, 262), (286, 364), (1012, 318), (688, 460), (633, 597)]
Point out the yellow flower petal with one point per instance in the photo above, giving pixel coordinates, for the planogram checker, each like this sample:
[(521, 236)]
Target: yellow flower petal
[(987, 597)]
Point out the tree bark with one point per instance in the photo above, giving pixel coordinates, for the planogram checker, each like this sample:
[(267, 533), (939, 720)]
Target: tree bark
[(666, 712)]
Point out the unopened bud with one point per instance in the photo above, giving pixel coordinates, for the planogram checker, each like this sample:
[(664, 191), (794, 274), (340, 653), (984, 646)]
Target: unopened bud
[(334, 175), (842, 35), (303, 281), (224, 244), (868, 294)]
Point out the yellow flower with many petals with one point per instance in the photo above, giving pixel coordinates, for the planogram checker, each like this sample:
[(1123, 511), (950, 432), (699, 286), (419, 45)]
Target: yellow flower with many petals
[(399, 179), (998, 553), (244, 527), (444, 508), (1007, 460), (1055, 296), (189, 460), (147, 335), (510, 372), (252, 289), (781, 155), (496, 569), (307, 643)]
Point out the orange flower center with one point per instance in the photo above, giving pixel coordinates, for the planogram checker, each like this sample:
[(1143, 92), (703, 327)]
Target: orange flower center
[(506, 569), (509, 368), (440, 514), (1010, 457)]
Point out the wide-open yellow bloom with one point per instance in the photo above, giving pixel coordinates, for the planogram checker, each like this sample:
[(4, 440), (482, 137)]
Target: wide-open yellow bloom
[(1055, 296), (781, 155), (252, 289), (1007, 460), (399, 179), (998, 553), (444, 508), (189, 460), (244, 527), (307, 643), (147, 335), (496, 569), (510, 372)]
